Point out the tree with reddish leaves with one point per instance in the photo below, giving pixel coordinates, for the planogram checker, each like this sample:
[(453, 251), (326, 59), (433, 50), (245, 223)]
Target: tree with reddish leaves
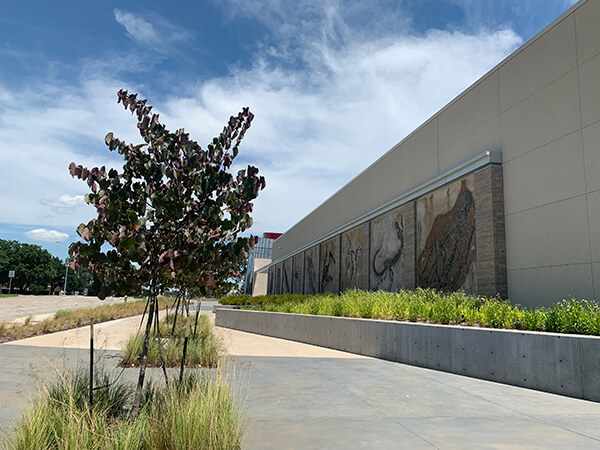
[(171, 217)]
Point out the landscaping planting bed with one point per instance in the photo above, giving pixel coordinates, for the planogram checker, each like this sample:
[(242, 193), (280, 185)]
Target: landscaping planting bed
[(565, 364)]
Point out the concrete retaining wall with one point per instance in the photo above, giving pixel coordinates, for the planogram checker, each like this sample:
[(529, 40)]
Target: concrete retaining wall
[(562, 364)]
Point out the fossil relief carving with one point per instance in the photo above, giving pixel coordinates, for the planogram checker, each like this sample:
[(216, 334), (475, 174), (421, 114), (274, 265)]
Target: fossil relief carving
[(311, 275), (327, 277), (271, 284), (352, 257), (298, 274), (354, 260), (278, 279), (449, 251), (286, 274), (329, 260), (386, 263)]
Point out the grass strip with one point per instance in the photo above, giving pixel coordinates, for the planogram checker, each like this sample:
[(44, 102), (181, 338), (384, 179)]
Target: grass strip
[(74, 318), (200, 414), (203, 350), (429, 306)]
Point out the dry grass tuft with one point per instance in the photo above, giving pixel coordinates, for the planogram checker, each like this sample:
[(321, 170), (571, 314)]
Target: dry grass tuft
[(69, 319)]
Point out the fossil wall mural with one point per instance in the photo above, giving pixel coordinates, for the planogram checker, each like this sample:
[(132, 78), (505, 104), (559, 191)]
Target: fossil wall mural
[(298, 274), (311, 270), (446, 237), (271, 283), (286, 276), (329, 267), (451, 238), (355, 258), (391, 249), (277, 285)]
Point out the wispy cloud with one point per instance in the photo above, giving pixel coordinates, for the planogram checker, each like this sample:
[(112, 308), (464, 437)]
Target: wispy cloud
[(151, 29), (329, 96), (138, 28), (46, 128), (64, 204), (348, 100), (41, 234)]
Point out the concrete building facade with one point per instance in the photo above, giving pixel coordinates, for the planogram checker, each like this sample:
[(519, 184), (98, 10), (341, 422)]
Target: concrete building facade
[(255, 282), (499, 192)]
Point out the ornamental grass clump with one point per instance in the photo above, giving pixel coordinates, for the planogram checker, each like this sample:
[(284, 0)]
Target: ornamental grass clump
[(452, 308), (203, 347), (246, 300), (199, 413)]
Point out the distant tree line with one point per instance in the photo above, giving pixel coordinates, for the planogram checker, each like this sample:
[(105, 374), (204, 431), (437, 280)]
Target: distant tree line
[(39, 272)]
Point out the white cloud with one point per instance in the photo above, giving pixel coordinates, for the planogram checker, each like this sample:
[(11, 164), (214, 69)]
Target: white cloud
[(41, 234), (43, 130), (65, 203), (138, 28), (346, 100), (151, 30), (316, 129)]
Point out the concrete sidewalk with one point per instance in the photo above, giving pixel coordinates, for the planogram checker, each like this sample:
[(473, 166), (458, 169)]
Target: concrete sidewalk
[(301, 396)]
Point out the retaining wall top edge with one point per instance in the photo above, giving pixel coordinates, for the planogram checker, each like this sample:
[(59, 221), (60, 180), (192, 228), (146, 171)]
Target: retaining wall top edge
[(424, 324)]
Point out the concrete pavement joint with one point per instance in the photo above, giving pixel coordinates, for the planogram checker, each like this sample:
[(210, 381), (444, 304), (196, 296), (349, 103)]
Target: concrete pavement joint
[(520, 413)]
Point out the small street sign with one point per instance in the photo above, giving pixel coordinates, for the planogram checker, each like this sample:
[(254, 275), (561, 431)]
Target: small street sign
[(11, 275)]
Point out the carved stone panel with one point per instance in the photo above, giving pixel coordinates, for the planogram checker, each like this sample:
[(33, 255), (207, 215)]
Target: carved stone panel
[(298, 274), (329, 267), (286, 276), (271, 282), (391, 260), (311, 271), (277, 285), (446, 237), (355, 258)]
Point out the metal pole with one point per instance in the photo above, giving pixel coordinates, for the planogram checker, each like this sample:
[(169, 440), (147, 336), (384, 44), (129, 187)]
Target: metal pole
[(66, 273), (91, 363), (9, 284)]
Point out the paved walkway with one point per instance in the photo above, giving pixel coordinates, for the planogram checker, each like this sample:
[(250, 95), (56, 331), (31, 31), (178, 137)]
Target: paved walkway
[(301, 396)]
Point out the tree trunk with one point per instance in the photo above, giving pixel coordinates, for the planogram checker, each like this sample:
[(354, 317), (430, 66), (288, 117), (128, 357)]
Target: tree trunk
[(178, 300), (135, 409), (197, 315), (160, 349), (185, 344)]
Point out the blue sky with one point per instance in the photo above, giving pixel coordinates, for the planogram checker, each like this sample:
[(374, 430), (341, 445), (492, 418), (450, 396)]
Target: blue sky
[(333, 85)]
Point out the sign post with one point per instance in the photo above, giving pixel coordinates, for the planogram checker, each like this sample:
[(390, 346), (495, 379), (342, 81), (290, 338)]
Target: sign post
[(66, 274), (11, 275)]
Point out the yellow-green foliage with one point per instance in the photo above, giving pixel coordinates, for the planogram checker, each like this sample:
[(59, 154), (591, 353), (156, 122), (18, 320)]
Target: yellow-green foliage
[(203, 348), (246, 300), (201, 413), (427, 305)]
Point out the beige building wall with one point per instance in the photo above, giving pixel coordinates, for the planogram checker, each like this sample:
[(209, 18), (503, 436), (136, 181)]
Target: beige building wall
[(260, 279), (541, 109)]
